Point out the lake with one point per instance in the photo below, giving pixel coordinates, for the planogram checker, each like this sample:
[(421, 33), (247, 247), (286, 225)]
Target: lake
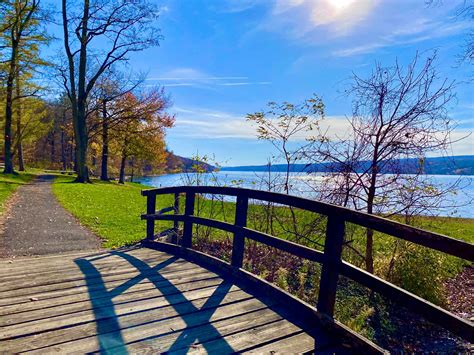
[(301, 185)]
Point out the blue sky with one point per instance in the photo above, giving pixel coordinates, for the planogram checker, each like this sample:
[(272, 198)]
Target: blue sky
[(222, 59)]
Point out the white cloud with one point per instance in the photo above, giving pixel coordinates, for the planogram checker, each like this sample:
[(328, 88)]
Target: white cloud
[(194, 123), (354, 27), (406, 35), (308, 19), (196, 78), (246, 83), (208, 123)]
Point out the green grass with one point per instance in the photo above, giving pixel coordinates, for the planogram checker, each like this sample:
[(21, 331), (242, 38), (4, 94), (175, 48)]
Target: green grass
[(110, 210), (459, 228), (9, 183)]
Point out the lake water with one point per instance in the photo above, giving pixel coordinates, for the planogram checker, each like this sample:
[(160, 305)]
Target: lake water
[(301, 185)]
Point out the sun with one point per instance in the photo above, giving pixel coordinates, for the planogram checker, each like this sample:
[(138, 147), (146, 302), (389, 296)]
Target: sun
[(340, 4)]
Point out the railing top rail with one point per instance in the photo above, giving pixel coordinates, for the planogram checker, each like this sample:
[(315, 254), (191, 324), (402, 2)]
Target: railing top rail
[(422, 237)]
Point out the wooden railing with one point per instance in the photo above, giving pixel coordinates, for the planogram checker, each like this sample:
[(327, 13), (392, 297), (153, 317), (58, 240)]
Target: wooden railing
[(330, 259)]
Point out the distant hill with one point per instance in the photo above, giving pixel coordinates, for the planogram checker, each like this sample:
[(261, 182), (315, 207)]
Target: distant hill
[(457, 165), (176, 163)]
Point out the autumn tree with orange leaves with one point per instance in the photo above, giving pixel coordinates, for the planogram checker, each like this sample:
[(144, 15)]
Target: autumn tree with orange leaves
[(137, 135)]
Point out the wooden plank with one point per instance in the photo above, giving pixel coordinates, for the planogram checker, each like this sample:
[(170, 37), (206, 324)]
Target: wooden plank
[(50, 258), (150, 224), (297, 343), (335, 230), (165, 324), (165, 210), (67, 320), (73, 274), (83, 296), (176, 223), (238, 244), (247, 338), (285, 245), (70, 267), (188, 225), (71, 308), (57, 285), (53, 291), (22, 266)]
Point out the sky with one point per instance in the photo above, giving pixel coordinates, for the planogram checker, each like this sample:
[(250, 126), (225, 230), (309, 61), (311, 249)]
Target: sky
[(222, 59)]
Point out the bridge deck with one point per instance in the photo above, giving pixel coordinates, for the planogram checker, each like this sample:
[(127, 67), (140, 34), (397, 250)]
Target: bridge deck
[(139, 300)]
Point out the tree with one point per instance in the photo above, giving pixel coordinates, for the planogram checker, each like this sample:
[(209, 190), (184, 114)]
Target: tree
[(285, 122), (139, 134), (291, 129), (31, 124), (126, 26), (21, 32), (398, 113), (107, 93)]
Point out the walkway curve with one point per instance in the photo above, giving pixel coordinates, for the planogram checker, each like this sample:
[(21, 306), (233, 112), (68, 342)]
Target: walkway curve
[(36, 224)]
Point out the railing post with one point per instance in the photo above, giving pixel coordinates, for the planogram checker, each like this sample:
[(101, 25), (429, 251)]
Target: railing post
[(238, 244), (174, 238), (150, 223), (332, 258), (188, 225)]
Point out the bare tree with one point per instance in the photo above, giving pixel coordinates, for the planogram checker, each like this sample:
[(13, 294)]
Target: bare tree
[(291, 129), (399, 116), (285, 122), (121, 26)]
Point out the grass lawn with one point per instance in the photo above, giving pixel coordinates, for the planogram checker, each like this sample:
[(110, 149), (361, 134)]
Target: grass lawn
[(9, 183), (109, 209)]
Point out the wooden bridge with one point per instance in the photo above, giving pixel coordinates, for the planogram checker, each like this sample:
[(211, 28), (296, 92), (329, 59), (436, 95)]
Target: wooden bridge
[(164, 297)]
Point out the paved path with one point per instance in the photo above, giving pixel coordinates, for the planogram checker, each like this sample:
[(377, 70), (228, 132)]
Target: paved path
[(36, 224)]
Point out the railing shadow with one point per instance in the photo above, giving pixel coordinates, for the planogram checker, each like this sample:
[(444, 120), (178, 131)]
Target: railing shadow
[(109, 332)]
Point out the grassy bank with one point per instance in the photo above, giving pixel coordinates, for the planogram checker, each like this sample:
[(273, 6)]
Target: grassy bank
[(109, 209), (9, 183)]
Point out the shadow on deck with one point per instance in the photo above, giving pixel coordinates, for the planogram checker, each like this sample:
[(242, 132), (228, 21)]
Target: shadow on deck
[(143, 300)]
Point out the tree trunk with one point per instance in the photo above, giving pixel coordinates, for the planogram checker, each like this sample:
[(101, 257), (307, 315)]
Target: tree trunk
[(122, 169), (53, 146), (19, 133), (9, 110), (79, 96), (104, 176), (63, 143), (74, 158), (81, 143), (369, 244)]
